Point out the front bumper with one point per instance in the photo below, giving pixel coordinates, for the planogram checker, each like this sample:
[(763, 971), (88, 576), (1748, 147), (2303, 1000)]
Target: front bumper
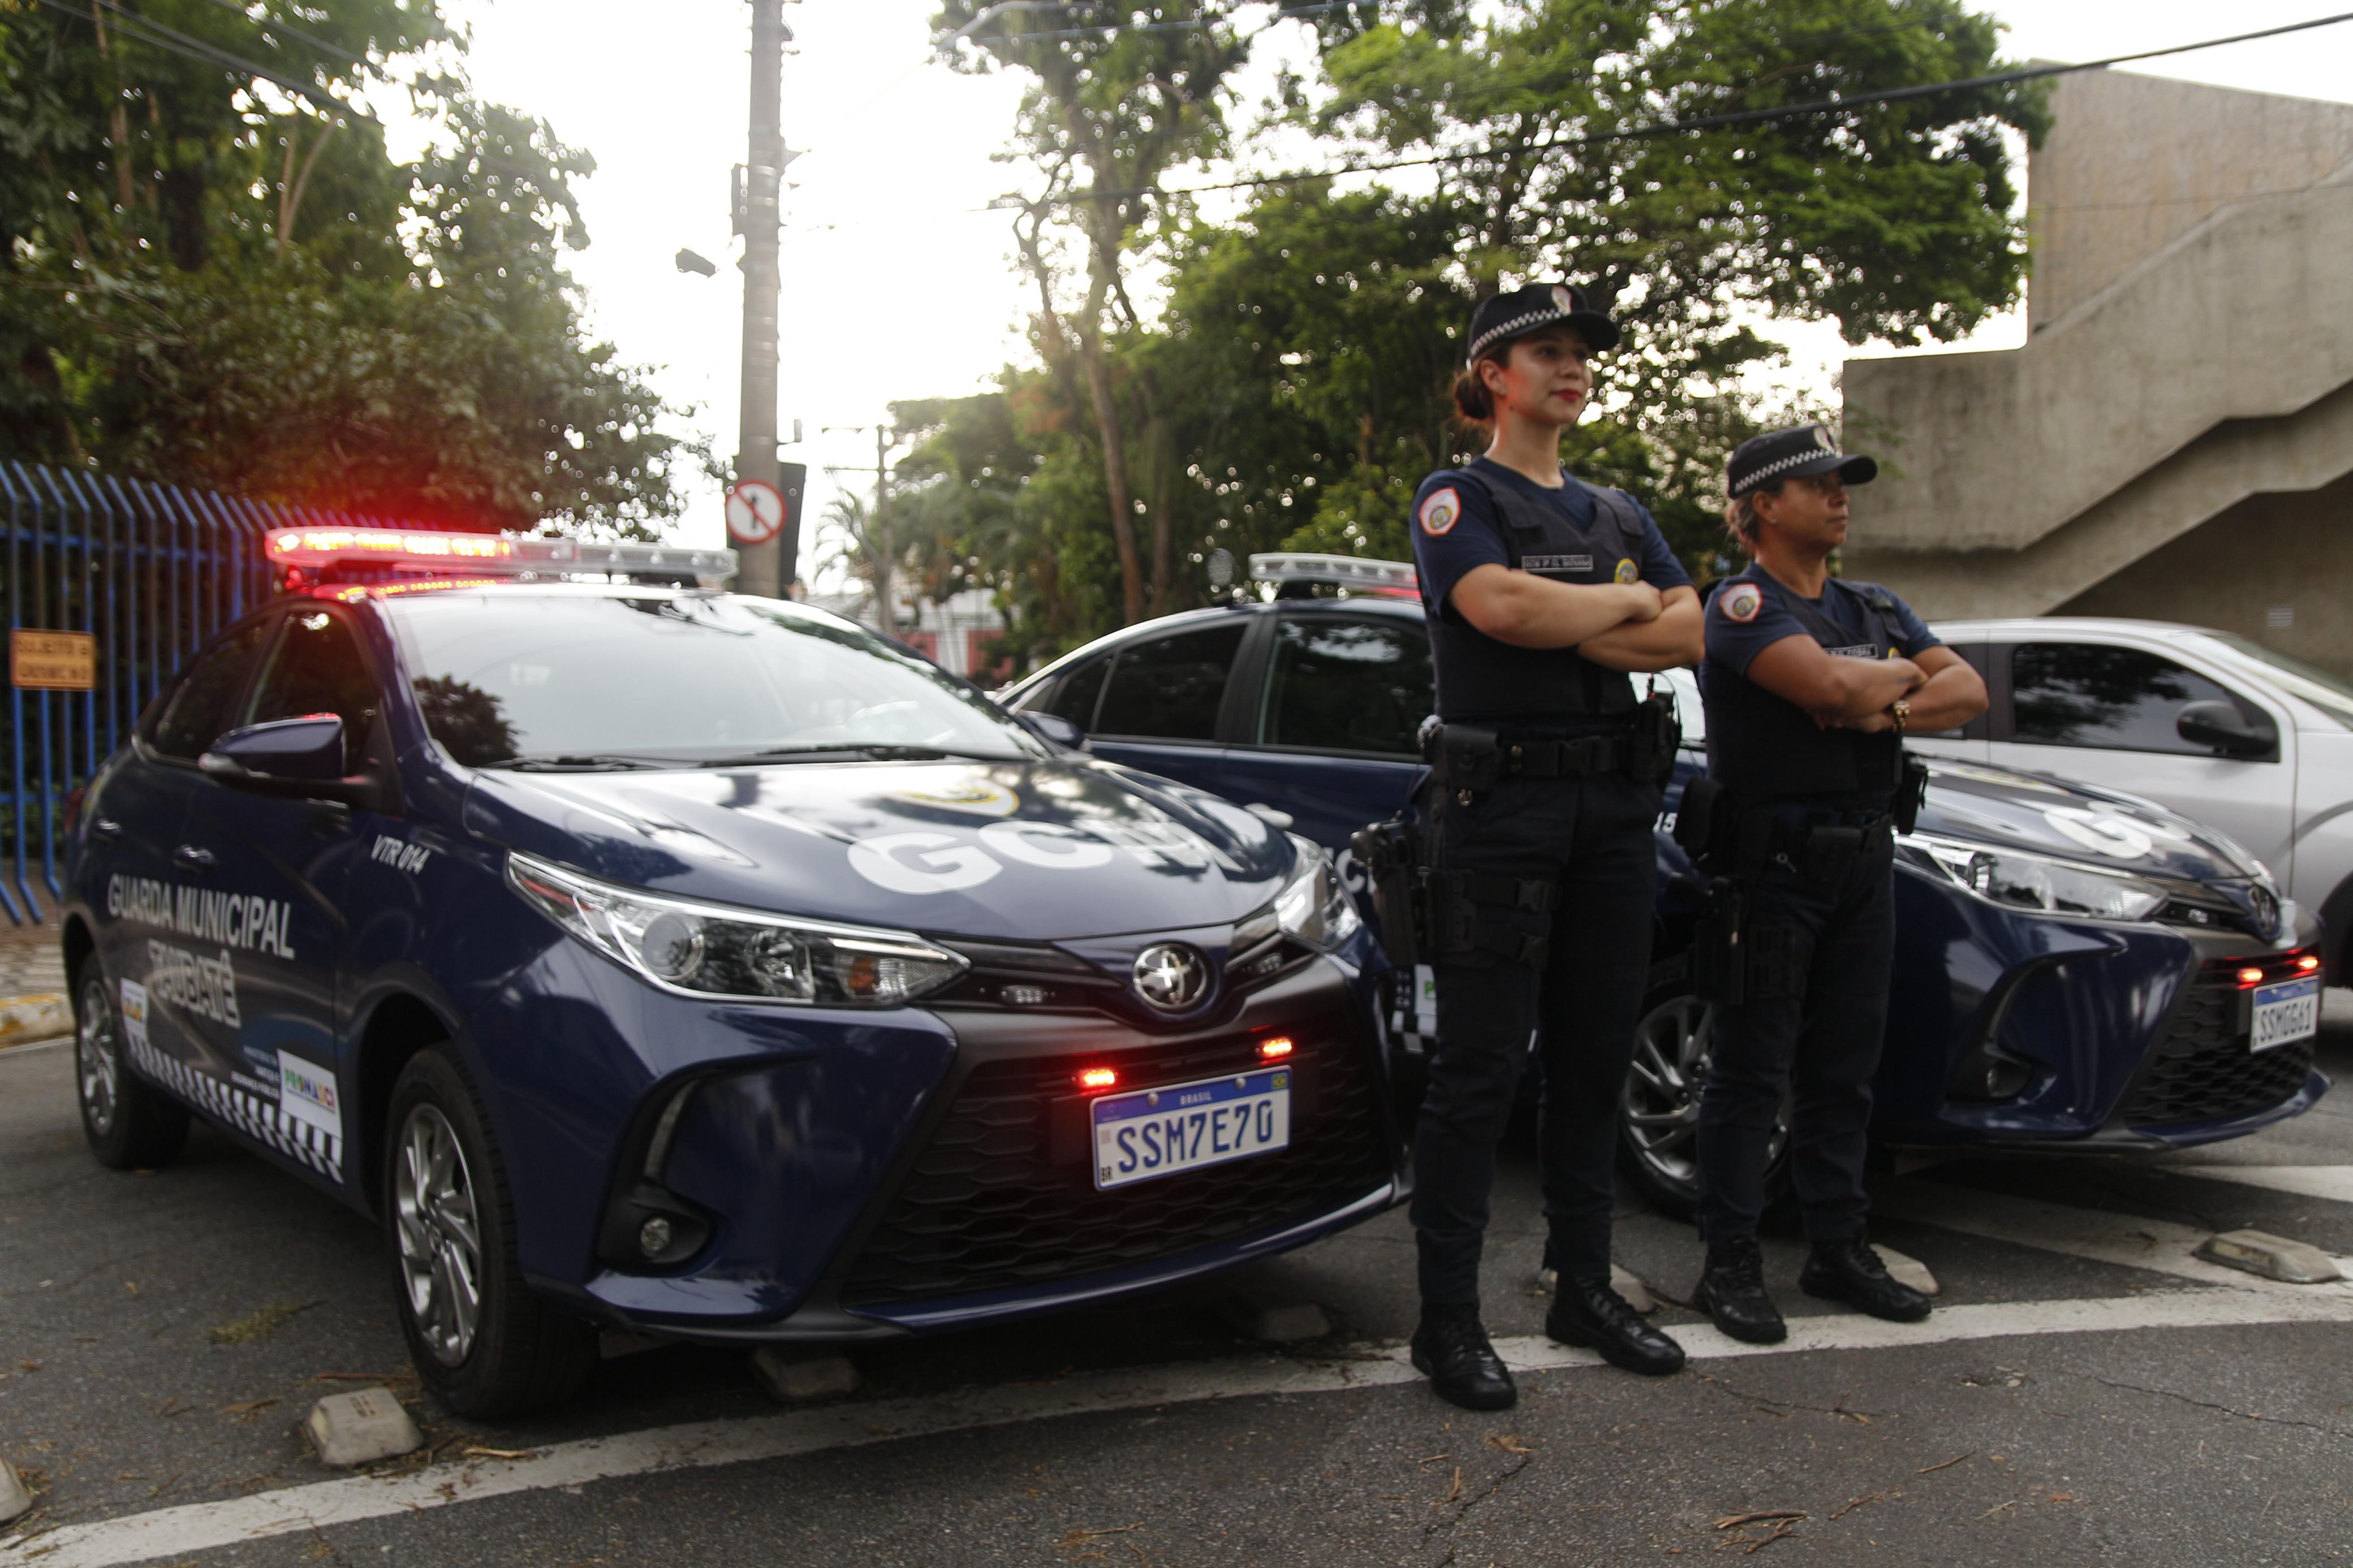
[(982, 1207), (2132, 1038)]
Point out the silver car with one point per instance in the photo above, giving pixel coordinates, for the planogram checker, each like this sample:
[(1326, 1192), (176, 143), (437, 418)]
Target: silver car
[(2224, 731)]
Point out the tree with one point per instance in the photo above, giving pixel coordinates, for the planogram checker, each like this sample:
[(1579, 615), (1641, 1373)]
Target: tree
[(1115, 104), (214, 274)]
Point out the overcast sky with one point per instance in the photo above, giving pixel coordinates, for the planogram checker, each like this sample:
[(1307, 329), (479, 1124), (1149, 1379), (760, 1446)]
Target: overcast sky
[(897, 283)]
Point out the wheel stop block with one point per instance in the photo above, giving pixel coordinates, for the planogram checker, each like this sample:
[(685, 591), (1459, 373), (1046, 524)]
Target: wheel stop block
[(1906, 1271), (355, 1429), (791, 1379), (16, 1497), (2271, 1256)]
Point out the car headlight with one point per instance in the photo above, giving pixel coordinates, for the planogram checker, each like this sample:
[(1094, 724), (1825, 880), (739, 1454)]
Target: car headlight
[(710, 949), (1314, 906), (2017, 879)]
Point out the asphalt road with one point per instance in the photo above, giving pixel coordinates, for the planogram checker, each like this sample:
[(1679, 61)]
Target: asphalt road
[(2084, 1389)]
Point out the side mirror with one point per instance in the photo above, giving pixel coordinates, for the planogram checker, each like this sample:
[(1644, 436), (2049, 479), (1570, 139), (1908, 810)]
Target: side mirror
[(300, 759), (1053, 727), (2221, 726)]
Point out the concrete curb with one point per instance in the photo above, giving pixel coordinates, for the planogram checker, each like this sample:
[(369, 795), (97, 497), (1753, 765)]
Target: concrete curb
[(41, 1017)]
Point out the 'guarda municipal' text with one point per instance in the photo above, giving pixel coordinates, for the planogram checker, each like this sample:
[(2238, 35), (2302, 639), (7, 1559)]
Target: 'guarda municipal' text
[(245, 922)]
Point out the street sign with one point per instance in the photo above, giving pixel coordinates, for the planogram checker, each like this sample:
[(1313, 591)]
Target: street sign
[(755, 511), (53, 661)]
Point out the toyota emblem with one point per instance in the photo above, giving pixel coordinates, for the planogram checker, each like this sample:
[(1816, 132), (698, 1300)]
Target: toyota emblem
[(1171, 976)]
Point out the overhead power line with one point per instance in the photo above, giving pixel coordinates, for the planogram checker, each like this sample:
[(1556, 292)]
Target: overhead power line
[(130, 23), (1697, 123)]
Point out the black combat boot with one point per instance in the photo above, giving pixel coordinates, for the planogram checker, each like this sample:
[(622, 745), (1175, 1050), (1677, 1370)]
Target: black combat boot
[(1850, 1271), (1731, 1290), (1588, 1312), (1450, 1349)]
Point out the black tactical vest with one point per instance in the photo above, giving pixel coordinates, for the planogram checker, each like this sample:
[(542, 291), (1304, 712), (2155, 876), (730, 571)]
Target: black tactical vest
[(1481, 677), (1763, 747)]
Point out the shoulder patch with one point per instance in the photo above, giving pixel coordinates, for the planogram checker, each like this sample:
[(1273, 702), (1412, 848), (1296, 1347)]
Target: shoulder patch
[(1629, 572), (1441, 512), (1742, 601)]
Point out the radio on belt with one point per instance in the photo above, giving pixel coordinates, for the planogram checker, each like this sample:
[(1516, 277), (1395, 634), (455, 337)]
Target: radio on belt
[(311, 556)]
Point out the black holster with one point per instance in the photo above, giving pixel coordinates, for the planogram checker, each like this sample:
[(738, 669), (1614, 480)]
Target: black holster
[(1392, 855), (1652, 739), (1911, 791), (1718, 966)]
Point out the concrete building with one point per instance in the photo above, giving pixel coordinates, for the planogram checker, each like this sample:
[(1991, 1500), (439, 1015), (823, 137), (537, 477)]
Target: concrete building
[(954, 634), (2175, 439)]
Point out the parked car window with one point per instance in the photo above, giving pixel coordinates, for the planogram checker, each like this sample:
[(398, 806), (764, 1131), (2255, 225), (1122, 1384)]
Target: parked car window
[(1079, 691), (1343, 685), (199, 710), (316, 668), (2087, 694), (2329, 693), (1169, 689)]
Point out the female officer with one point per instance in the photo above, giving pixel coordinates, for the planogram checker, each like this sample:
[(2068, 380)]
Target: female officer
[(1809, 684), (1540, 592)]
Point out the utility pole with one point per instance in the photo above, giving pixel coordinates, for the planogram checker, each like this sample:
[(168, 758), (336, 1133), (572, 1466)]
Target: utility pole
[(766, 569)]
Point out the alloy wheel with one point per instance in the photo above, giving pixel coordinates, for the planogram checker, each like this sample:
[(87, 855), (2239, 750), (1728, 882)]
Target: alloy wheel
[(1662, 1092), (95, 1064), (440, 1240)]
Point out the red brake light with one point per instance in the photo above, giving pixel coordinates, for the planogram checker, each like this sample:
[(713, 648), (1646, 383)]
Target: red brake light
[(1274, 1050), (1096, 1079)]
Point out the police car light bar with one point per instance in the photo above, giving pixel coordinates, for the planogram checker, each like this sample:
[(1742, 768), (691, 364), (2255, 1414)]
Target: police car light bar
[(485, 554), (1348, 571)]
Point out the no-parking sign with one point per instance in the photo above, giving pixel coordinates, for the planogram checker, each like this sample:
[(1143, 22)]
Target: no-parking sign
[(755, 511)]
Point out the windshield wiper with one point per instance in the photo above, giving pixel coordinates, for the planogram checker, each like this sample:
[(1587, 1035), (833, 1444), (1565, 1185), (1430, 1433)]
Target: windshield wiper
[(584, 763), (864, 754)]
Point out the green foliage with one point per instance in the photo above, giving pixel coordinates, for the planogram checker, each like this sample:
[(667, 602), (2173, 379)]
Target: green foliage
[(207, 280), (1294, 387)]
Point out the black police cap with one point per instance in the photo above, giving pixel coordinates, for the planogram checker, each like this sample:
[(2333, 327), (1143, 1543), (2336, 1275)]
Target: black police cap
[(1522, 311), (1790, 454)]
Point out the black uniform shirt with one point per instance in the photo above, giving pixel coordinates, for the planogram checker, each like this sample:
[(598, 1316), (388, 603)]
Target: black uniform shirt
[(1765, 746), (1456, 528)]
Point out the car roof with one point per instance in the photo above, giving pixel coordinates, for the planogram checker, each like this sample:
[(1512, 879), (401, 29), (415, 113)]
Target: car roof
[(2069, 625)]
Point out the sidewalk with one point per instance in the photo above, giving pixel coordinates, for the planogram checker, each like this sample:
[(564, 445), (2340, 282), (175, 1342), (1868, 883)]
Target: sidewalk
[(32, 986)]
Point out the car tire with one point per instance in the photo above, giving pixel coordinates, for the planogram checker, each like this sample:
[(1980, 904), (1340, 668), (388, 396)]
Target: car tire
[(483, 1344), (131, 1125), (1658, 1133)]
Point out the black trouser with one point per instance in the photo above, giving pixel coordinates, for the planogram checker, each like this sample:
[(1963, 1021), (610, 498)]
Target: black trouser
[(1820, 1052), (1591, 839)]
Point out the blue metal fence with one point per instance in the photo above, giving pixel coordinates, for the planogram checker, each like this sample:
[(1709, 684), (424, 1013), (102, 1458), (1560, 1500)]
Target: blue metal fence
[(149, 571)]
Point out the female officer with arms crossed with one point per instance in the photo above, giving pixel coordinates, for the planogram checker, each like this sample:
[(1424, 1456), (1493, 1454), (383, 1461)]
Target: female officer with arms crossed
[(1541, 592), (1809, 684)]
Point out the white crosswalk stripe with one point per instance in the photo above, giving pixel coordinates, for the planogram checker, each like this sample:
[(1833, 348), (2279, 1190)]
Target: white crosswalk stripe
[(2333, 1182)]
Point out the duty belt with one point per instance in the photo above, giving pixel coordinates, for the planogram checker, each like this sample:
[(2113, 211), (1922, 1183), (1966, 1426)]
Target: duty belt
[(1824, 849), (1472, 756)]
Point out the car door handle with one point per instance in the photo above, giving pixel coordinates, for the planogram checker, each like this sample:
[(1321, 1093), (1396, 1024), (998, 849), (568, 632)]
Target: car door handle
[(105, 828), (188, 858)]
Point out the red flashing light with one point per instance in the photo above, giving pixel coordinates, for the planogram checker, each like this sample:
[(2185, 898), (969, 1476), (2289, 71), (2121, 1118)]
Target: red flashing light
[(2309, 962), (2251, 976), (1274, 1050), (1094, 1081), (310, 545)]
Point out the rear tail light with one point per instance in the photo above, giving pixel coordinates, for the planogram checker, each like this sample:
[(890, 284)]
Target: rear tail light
[(2251, 976), (1094, 1081), (1274, 1050)]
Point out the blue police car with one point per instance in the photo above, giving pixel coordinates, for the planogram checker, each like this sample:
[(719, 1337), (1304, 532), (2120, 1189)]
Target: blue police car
[(650, 957), (2076, 968)]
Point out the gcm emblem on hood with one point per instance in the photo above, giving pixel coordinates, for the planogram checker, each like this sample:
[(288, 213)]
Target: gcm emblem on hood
[(1171, 976)]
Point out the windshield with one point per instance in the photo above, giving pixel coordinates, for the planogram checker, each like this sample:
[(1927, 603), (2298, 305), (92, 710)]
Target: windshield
[(508, 678), (2329, 693)]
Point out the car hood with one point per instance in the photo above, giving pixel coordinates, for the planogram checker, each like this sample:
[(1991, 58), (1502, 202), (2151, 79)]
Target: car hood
[(1048, 850), (2074, 822)]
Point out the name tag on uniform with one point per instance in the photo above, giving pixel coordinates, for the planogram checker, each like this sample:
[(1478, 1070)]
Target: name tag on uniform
[(1858, 650), (1556, 563)]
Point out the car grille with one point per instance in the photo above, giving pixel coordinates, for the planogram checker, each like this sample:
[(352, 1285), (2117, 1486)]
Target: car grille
[(988, 1206), (2201, 1069)]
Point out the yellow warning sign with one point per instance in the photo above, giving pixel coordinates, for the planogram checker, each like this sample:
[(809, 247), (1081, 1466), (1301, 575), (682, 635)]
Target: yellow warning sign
[(53, 661)]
